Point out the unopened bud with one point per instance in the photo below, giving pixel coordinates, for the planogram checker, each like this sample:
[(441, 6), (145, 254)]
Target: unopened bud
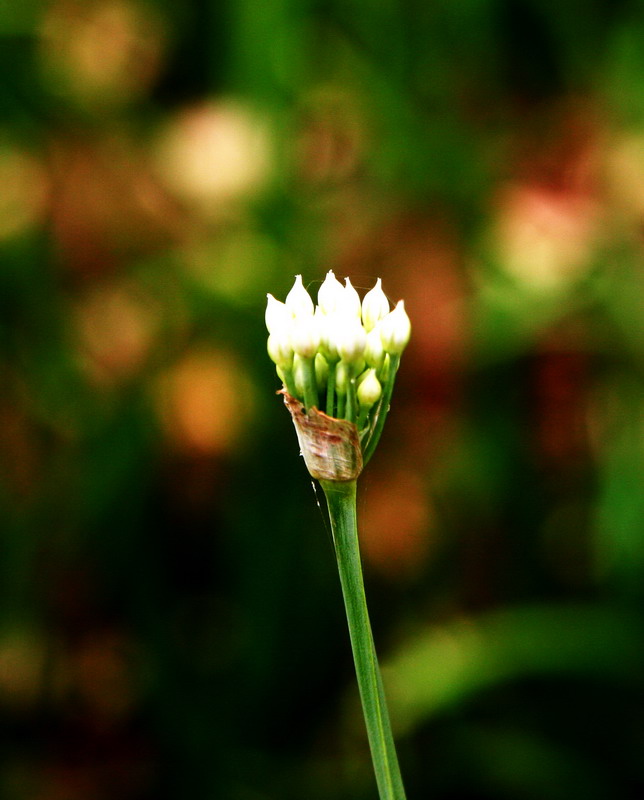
[(375, 306), (321, 371), (277, 314), (395, 330), (350, 304), (374, 351), (369, 389), (329, 326), (279, 348), (299, 375), (350, 340), (330, 294), (298, 300), (383, 372), (305, 335), (341, 378)]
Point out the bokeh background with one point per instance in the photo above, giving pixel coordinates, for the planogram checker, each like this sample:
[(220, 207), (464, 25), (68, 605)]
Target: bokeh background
[(171, 623)]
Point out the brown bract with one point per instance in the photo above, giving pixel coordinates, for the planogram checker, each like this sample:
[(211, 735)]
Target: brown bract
[(331, 447)]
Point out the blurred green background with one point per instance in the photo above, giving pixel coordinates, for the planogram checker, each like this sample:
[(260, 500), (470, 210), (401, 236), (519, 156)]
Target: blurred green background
[(171, 623)]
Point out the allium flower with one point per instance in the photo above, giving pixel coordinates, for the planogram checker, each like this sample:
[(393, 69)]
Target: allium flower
[(338, 361), (342, 356)]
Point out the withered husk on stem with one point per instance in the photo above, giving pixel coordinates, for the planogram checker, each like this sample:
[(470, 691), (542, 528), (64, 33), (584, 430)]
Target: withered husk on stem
[(330, 446)]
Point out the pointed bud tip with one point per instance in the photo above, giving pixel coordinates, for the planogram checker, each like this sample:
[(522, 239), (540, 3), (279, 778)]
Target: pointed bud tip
[(350, 303), (375, 306), (395, 329), (369, 390), (298, 299)]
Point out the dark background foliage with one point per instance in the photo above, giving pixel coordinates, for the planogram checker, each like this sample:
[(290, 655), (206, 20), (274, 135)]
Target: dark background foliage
[(170, 617)]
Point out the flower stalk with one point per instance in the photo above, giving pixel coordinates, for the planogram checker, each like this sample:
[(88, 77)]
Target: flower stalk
[(343, 356), (341, 502)]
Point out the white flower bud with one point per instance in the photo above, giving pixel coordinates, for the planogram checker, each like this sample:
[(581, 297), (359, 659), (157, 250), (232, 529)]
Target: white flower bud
[(277, 314), (349, 304), (383, 371), (374, 351), (321, 371), (395, 330), (298, 300), (341, 378), (350, 340), (369, 389), (375, 306), (343, 372), (299, 378), (329, 325), (279, 348), (330, 294), (305, 335)]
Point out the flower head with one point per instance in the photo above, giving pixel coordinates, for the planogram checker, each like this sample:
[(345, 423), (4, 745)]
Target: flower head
[(341, 356)]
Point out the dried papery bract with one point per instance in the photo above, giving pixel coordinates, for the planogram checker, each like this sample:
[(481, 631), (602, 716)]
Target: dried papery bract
[(330, 447)]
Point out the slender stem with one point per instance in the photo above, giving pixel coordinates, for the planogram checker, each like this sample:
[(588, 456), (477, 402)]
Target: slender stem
[(362, 418), (341, 400), (382, 410), (289, 380), (310, 384), (350, 408), (330, 389), (341, 500)]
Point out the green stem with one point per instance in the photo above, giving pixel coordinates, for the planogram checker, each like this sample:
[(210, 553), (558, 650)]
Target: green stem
[(341, 401), (350, 408), (382, 410), (330, 389), (341, 500), (362, 418), (310, 383), (289, 380)]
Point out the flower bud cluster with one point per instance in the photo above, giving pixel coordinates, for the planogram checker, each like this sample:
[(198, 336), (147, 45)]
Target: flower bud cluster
[(337, 355)]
